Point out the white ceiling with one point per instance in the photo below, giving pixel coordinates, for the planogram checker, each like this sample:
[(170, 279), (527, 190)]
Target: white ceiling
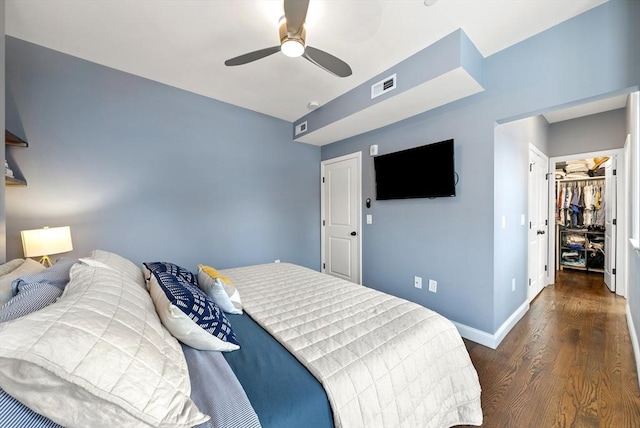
[(184, 43)]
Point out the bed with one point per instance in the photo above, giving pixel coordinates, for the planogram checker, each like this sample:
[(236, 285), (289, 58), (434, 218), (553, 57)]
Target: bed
[(300, 349)]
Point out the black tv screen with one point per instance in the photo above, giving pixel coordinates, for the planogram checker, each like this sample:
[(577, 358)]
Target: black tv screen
[(421, 172)]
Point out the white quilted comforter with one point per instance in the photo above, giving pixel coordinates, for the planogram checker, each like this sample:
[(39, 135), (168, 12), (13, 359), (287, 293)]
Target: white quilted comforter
[(383, 361)]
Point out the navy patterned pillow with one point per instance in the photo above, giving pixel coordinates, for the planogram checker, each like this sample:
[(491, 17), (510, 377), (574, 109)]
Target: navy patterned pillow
[(180, 304), (172, 269)]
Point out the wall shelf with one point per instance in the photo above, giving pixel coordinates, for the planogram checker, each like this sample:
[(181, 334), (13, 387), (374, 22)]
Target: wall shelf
[(12, 181), (10, 139)]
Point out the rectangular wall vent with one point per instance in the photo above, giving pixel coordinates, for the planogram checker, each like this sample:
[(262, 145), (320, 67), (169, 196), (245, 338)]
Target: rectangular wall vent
[(302, 127), (383, 86)]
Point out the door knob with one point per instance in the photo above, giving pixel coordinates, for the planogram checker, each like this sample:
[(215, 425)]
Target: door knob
[(353, 233), (541, 232)]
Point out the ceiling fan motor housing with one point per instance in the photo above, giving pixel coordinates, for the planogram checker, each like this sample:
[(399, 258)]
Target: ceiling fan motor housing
[(296, 41)]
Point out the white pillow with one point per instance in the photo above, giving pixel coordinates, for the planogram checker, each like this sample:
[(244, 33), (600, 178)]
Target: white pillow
[(185, 327), (98, 357), (28, 267), (215, 288), (114, 261), (95, 263)]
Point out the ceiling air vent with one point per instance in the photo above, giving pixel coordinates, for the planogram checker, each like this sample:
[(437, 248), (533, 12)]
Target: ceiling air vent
[(383, 86), (301, 127)]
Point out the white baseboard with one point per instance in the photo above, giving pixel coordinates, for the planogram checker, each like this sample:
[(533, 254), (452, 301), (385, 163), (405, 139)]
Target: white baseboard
[(634, 341), (476, 335), (493, 340)]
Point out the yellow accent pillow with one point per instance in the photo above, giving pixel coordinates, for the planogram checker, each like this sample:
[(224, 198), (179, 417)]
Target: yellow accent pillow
[(220, 289), (214, 273)]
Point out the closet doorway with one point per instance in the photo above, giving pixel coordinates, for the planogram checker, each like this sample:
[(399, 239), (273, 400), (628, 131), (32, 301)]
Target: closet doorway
[(585, 206)]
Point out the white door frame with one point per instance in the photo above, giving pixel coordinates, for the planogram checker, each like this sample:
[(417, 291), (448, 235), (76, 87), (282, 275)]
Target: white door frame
[(621, 196), (610, 279), (358, 157), (530, 297)]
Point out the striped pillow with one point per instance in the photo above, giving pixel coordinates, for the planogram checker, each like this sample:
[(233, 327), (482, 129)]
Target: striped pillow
[(37, 290), (15, 414), (28, 267)]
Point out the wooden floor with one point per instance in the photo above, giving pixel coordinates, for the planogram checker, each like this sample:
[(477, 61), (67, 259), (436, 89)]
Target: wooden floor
[(567, 363)]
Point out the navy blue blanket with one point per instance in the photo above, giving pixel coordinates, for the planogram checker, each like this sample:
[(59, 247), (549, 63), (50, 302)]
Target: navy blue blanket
[(283, 393)]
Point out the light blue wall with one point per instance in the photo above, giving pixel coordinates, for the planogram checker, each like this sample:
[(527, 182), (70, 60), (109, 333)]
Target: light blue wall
[(633, 295), (511, 175), (633, 292), (456, 240), (153, 172), (3, 253), (436, 239), (602, 131)]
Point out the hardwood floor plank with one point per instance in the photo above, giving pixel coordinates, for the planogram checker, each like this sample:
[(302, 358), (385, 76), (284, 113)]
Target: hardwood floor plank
[(567, 363)]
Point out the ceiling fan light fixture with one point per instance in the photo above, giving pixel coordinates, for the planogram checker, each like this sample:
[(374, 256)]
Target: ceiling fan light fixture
[(293, 43), (292, 48)]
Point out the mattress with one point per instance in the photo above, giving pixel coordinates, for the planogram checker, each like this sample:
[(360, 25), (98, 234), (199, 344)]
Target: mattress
[(383, 361)]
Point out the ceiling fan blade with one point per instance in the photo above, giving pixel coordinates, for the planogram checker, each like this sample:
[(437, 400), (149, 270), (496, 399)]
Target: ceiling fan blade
[(327, 61), (296, 12), (252, 56)]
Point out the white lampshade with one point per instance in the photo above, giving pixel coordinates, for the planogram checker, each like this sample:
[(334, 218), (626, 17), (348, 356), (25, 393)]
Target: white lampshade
[(46, 241)]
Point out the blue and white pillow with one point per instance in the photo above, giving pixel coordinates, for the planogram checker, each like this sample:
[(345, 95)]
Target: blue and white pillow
[(15, 414), (173, 269), (187, 312), (35, 291)]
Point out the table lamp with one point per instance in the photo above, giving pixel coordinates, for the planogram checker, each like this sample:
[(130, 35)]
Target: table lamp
[(46, 241)]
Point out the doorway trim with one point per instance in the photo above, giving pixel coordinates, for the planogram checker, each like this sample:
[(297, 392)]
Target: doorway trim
[(358, 157), (547, 226), (621, 196)]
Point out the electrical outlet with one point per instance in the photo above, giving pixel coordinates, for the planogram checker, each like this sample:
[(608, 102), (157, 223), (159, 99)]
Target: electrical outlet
[(277, 261), (417, 282), (433, 286), (513, 284)]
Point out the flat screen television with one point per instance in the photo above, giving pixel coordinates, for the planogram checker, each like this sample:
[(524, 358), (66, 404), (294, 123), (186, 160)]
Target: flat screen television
[(421, 172)]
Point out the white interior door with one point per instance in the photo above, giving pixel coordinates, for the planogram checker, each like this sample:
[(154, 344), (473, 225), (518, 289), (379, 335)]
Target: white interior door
[(610, 200), (341, 217), (538, 224)]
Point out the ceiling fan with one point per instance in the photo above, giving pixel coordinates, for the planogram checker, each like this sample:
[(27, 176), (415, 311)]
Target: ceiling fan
[(293, 35)]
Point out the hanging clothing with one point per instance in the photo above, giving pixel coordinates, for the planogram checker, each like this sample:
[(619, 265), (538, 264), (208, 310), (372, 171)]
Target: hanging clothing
[(580, 203), (588, 204)]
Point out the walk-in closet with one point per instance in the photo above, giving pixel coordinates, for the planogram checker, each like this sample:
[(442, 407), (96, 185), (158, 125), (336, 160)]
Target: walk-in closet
[(581, 214)]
